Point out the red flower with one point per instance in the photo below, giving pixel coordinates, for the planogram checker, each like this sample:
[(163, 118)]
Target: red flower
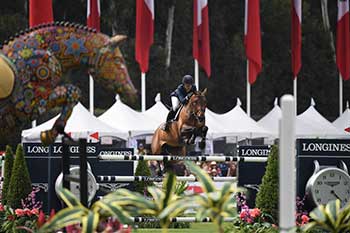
[(304, 219), (27, 212), (10, 217), (52, 213), (243, 214), (2, 207), (255, 212), (20, 212), (41, 219)]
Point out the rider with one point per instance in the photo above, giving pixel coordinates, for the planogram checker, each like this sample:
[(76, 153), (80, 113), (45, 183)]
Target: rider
[(180, 95)]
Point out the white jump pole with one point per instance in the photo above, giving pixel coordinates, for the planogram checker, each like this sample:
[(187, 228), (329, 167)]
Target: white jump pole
[(180, 158), (91, 95), (178, 219), (287, 180), (143, 92), (159, 179), (196, 73)]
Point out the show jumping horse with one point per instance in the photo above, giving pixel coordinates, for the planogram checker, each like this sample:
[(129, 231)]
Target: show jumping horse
[(190, 124), (31, 68)]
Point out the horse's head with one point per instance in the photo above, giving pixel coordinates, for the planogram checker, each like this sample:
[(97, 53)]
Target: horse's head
[(197, 105), (111, 69)]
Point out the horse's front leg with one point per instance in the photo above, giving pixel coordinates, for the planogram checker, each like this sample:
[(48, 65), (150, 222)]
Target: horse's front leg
[(203, 134), (66, 96)]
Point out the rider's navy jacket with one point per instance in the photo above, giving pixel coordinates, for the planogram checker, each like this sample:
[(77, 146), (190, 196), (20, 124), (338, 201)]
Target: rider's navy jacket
[(181, 93)]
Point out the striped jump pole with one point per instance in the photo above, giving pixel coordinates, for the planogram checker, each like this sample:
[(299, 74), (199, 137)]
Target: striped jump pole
[(178, 219), (158, 179), (181, 158)]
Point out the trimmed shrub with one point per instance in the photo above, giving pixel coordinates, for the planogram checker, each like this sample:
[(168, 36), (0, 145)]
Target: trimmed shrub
[(142, 169), (20, 183), (9, 158), (268, 196)]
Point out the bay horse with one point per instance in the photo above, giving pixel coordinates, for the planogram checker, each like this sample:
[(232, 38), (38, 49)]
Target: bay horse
[(32, 65), (189, 125)]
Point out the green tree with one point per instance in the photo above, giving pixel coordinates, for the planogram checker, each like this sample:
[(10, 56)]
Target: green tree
[(9, 158), (20, 183), (267, 197), (142, 169)]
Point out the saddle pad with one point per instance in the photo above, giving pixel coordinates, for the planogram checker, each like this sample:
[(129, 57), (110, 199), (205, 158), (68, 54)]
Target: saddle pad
[(7, 79)]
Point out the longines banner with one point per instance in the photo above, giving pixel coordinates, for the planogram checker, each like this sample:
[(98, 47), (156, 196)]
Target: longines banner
[(92, 149), (252, 173), (323, 147)]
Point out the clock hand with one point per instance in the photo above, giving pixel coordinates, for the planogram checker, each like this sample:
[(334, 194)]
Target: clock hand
[(336, 195)]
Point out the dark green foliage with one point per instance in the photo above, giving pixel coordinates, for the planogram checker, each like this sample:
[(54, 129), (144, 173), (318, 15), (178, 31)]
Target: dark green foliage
[(9, 158), (142, 170), (267, 197), (20, 183)]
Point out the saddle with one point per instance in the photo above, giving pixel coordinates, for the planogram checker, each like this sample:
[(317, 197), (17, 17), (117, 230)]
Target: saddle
[(7, 77)]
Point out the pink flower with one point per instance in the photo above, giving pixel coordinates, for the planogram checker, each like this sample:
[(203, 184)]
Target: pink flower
[(255, 212), (2, 207), (20, 212), (27, 212), (304, 219), (243, 214), (249, 220), (35, 211), (41, 219)]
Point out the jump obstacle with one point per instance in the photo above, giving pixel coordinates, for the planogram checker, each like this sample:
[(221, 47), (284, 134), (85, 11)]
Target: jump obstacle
[(200, 158), (178, 219), (158, 179)]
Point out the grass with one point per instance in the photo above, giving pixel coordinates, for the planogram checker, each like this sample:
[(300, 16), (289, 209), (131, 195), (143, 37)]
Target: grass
[(195, 228)]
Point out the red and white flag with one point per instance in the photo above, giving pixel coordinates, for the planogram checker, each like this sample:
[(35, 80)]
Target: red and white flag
[(201, 37), (343, 39), (93, 14), (93, 137), (40, 11), (252, 38), (296, 36), (144, 32)]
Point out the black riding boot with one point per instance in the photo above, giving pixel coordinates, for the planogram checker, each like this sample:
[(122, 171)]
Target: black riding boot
[(169, 119)]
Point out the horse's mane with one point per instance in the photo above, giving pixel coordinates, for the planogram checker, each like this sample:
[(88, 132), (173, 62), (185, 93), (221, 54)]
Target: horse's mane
[(46, 25)]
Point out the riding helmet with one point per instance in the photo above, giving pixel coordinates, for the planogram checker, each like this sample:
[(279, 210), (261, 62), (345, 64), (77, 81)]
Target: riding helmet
[(187, 79)]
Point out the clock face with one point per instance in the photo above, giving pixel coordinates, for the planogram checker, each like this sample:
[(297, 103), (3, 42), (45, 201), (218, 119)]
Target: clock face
[(75, 187), (330, 184)]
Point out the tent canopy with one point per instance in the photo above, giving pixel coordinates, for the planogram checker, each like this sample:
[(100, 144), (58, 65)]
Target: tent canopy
[(80, 124), (343, 121), (158, 112)]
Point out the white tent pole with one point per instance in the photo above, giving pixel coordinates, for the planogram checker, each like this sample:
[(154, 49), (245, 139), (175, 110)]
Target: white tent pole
[(287, 165), (143, 92), (196, 73), (91, 95), (33, 123), (295, 92), (340, 95), (248, 90)]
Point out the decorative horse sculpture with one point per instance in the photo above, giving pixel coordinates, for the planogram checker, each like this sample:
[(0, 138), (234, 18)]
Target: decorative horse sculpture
[(190, 124), (31, 68)]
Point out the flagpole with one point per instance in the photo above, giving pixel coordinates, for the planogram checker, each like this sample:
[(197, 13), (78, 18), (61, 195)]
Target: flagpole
[(91, 94), (248, 90), (340, 95), (295, 87), (196, 73), (143, 91)]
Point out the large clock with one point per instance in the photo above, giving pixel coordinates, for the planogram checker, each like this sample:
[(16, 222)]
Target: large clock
[(74, 186), (329, 183)]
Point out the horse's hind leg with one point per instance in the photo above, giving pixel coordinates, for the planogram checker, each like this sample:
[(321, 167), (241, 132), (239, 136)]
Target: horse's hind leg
[(66, 96)]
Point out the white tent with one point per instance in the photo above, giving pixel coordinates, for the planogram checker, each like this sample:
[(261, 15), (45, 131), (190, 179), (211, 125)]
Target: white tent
[(238, 124), (127, 120), (158, 112), (309, 124), (312, 124), (343, 121), (80, 124), (270, 120)]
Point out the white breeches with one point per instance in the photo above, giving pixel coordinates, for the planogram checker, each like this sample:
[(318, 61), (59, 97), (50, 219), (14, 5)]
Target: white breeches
[(174, 103)]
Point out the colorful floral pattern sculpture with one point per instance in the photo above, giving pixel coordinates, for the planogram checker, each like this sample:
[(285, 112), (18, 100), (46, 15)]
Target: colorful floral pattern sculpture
[(39, 56)]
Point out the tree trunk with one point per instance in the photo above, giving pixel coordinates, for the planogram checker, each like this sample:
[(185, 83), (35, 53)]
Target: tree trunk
[(326, 25), (169, 34)]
